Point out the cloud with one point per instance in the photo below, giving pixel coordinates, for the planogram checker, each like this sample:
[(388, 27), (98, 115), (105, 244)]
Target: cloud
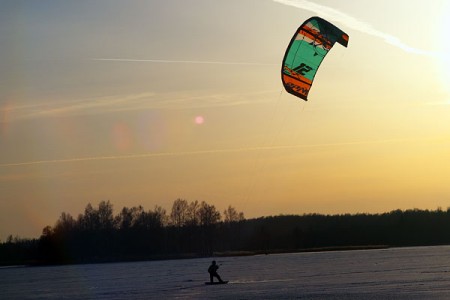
[(348, 21), (131, 102), (203, 152), (74, 107)]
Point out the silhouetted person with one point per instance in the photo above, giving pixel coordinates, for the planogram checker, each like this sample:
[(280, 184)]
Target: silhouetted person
[(212, 270)]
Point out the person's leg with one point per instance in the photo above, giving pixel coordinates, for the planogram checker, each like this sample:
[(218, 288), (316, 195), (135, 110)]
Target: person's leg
[(218, 277), (211, 277)]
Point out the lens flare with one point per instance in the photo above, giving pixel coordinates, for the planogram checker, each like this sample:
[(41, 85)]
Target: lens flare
[(199, 120), (122, 137), (4, 119)]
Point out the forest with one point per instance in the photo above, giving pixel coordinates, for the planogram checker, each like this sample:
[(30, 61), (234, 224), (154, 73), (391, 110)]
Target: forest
[(198, 229)]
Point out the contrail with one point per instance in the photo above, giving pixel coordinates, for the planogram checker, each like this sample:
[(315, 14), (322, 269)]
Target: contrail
[(184, 61), (200, 152), (351, 22), (140, 101)]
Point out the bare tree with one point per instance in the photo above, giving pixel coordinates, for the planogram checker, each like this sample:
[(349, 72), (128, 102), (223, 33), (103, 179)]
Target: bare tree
[(160, 215), (193, 217), (105, 215), (127, 218), (47, 232), (89, 221), (209, 217), (64, 224), (178, 215), (232, 215), (208, 214)]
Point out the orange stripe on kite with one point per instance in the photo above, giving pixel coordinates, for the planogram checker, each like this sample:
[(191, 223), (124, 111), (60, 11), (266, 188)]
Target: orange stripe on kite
[(297, 76), (296, 87), (289, 79), (307, 34), (316, 37)]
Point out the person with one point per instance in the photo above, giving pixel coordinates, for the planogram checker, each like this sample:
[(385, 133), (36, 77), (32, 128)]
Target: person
[(212, 270)]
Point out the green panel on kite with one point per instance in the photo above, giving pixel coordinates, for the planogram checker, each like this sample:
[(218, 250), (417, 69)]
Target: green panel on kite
[(308, 47)]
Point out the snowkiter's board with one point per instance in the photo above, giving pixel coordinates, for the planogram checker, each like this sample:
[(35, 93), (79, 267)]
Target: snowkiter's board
[(216, 282)]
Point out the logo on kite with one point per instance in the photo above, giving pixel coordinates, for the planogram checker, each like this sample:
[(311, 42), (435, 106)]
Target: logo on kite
[(308, 47)]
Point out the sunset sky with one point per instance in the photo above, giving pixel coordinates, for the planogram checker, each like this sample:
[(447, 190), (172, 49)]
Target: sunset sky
[(143, 102)]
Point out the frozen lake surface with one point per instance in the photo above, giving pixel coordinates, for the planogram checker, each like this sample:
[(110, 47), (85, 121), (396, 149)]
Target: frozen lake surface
[(398, 273)]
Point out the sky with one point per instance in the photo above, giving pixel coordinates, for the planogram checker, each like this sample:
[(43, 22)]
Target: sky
[(143, 102)]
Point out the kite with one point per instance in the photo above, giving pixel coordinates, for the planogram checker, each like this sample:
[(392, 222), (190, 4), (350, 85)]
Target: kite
[(308, 47)]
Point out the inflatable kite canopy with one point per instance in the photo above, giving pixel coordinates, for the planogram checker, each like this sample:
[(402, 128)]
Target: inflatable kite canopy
[(308, 47)]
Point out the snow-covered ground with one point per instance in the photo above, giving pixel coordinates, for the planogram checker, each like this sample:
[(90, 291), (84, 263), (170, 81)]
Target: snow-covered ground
[(400, 273)]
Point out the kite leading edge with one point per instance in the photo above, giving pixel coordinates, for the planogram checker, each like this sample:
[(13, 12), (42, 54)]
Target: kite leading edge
[(308, 47)]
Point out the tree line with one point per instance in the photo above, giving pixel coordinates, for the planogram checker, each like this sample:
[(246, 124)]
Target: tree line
[(193, 229), (190, 229)]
